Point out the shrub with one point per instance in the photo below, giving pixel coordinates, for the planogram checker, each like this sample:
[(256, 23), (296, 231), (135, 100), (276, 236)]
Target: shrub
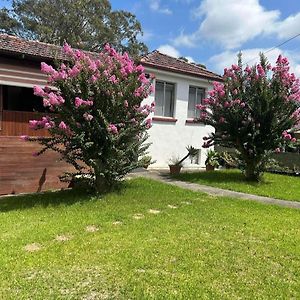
[(255, 111), (97, 122)]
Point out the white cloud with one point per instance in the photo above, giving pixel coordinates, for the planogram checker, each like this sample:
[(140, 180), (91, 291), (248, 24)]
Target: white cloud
[(169, 50), (288, 27), (155, 5), (190, 59), (251, 56), (185, 40), (172, 51), (229, 23)]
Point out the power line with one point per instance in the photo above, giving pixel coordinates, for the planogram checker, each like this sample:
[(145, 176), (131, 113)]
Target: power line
[(273, 48)]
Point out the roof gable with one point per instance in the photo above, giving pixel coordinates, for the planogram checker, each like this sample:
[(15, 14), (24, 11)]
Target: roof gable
[(165, 62)]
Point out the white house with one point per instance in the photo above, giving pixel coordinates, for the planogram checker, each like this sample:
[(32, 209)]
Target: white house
[(179, 86)]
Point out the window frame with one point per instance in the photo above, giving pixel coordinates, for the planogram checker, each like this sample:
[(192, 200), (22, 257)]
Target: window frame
[(172, 109), (204, 94)]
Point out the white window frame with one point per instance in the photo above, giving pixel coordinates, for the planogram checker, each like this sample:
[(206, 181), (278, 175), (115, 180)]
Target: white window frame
[(203, 91), (172, 109)]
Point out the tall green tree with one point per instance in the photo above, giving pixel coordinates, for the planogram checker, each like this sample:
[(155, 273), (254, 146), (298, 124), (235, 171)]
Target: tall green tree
[(84, 24)]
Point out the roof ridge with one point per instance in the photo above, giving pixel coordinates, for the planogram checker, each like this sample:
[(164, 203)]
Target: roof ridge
[(181, 60), (58, 47), (29, 40)]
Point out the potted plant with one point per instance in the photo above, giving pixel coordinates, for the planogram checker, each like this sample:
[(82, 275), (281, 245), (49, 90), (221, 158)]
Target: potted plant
[(176, 163), (212, 160)]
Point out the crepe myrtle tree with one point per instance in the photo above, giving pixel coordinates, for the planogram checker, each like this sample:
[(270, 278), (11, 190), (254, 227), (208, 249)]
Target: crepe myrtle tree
[(255, 110), (97, 121)]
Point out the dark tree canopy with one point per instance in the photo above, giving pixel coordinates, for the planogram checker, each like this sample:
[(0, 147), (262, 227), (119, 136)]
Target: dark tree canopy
[(84, 24)]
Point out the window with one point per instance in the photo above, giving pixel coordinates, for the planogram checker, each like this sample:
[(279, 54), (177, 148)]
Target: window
[(17, 98), (195, 97), (164, 99)]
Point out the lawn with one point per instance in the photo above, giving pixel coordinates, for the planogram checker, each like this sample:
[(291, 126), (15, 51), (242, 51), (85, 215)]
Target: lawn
[(273, 185), (149, 240)]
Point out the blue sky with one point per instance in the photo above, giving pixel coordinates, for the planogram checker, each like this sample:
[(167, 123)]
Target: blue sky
[(213, 31)]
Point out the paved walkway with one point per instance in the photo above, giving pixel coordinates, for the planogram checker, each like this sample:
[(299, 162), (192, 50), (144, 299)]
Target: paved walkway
[(163, 177)]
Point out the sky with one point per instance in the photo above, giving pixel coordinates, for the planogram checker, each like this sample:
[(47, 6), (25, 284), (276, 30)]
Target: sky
[(212, 32)]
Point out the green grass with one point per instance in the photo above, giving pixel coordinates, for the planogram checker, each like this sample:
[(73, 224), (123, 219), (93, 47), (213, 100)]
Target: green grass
[(273, 185), (211, 248)]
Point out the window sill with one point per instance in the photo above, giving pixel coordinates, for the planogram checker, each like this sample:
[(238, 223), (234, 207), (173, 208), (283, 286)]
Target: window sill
[(192, 121), (164, 119)]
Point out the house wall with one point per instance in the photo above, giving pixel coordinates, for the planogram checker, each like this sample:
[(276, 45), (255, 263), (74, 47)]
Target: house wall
[(20, 171), (169, 139)]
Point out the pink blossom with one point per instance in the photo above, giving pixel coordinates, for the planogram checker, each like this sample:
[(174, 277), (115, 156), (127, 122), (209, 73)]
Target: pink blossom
[(142, 78), (148, 123), (67, 49), (113, 79), (227, 104), (38, 91), (248, 70), (151, 89), (79, 102), (87, 116), (277, 150), (140, 68), (33, 124), (24, 138), (62, 125), (47, 69), (112, 128), (293, 140), (235, 67), (74, 71)]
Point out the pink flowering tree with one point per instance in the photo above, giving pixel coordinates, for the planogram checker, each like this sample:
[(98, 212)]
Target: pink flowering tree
[(256, 110), (97, 121)]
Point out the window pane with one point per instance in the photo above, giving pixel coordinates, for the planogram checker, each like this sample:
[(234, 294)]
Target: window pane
[(159, 98), (200, 96), (21, 99), (192, 102), (169, 100)]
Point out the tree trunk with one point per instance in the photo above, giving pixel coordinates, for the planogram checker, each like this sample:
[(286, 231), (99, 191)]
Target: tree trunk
[(251, 172), (101, 184)]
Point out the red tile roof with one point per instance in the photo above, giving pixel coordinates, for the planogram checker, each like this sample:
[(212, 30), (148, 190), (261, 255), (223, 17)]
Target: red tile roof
[(165, 62), (12, 45)]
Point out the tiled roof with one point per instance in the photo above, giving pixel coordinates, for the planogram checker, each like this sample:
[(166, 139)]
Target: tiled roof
[(165, 62), (13, 45)]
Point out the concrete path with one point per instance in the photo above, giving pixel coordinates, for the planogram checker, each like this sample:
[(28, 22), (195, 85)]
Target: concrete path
[(163, 177)]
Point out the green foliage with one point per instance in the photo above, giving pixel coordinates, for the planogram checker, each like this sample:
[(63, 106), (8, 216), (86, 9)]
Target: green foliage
[(212, 158), (146, 161), (84, 24), (255, 111)]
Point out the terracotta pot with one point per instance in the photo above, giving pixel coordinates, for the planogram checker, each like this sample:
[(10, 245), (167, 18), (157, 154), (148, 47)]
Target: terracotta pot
[(175, 169), (210, 167)]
